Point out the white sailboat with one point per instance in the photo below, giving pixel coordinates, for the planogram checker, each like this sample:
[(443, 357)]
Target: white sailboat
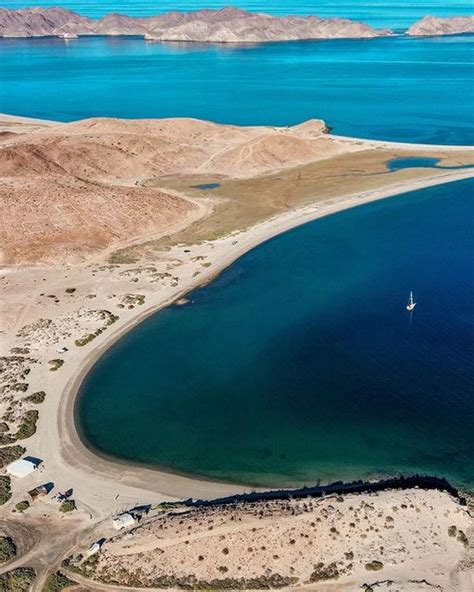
[(411, 303)]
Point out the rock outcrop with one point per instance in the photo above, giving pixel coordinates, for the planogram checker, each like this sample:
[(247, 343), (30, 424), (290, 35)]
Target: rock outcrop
[(433, 26), (229, 25)]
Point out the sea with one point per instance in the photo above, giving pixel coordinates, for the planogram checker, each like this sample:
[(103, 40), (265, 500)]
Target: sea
[(398, 88)]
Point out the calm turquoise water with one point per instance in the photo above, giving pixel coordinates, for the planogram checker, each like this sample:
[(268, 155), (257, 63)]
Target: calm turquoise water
[(380, 13), (300, 362), (416, 90)]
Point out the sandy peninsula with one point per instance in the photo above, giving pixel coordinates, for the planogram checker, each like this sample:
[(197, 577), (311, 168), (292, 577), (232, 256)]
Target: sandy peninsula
[(104, 224)]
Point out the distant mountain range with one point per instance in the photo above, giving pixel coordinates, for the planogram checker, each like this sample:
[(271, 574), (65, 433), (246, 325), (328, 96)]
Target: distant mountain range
[(228, 25)]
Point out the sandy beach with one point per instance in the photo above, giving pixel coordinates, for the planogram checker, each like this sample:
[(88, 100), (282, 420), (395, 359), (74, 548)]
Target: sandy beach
[(49, 305)]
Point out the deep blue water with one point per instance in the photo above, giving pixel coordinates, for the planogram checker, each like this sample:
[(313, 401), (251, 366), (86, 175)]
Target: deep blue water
[(380, 13), (300, 362), (416, 90)]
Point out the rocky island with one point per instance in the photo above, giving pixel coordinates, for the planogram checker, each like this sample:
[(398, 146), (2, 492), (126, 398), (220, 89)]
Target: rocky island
[(434, 26), (228, 25)]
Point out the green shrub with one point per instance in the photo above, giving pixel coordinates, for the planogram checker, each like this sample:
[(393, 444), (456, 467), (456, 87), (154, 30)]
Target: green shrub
[(55, 364), (22, 506), (17, 580), (5, 489), (85, 340), (67, 506), (462, 538), (28, 425), (36, 398), (323, 572), (56, 582), (10, 454), (7, 439), (7, 549), (374, 566)]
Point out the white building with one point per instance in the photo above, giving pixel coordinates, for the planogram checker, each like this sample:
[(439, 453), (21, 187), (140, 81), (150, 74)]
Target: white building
[(22, 467), (123, 520), (93, 549)]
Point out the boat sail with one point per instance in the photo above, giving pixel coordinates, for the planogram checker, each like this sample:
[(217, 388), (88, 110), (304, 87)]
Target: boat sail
[(411, 303)]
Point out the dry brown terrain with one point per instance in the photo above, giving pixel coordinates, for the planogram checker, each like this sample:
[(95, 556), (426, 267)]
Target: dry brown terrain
[(69, 191), (433, 26), (341, 542), (228, 25)]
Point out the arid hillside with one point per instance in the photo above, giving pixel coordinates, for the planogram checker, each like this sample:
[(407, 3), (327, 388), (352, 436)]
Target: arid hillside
[(69, 190)]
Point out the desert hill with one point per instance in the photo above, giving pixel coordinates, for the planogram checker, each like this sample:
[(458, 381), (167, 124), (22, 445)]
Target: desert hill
[(79, 187)]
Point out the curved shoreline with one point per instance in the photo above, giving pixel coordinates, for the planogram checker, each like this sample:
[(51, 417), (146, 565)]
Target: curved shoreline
[(149, 483)]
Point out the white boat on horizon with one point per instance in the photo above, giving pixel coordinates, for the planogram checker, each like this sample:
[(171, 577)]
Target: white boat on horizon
[(411, 303)]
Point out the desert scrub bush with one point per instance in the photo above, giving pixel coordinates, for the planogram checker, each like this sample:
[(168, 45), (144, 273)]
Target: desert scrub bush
[(55, 364), (36, 398), (85, 340), (7, 549), (122, 257), (110, 318), (22, 506), (7, 439), (70, 290), (10, 454), (56, 582), (28, 425), (5, 489), (324, 572), (67, 506), (452, 531), (17, 580), (462, 538), (374, 566)]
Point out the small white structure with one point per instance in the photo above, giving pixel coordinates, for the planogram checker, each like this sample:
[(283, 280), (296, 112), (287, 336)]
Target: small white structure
[(123, 520), (22, 467), (93, 549), (62, 350)]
